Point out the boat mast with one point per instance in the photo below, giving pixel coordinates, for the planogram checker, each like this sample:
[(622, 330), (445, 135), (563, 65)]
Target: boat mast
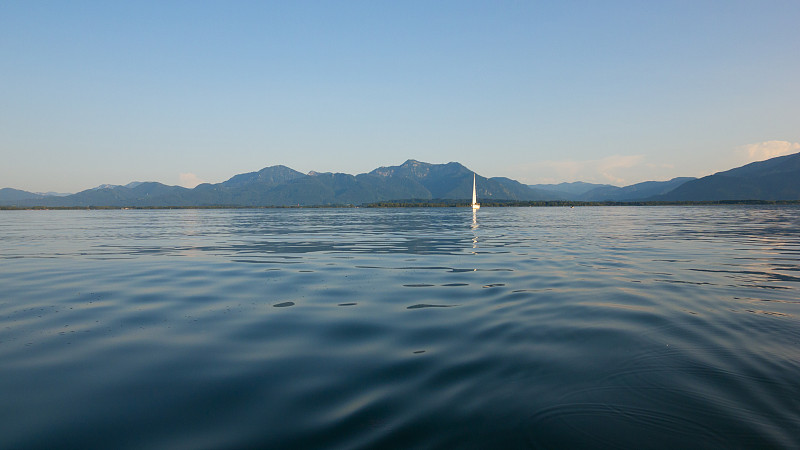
[(474, 196), (475, 204)]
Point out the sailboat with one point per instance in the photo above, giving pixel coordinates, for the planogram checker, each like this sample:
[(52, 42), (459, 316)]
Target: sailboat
[(475, 205)]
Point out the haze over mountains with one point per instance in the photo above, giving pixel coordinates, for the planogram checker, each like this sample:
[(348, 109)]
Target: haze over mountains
[(773, 179), (589, 192)]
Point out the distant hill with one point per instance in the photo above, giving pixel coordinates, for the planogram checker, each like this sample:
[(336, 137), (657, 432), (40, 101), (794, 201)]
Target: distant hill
[(132, 184), (9, 195), (569, 191), (454, 181), (591, 192), (53, 194), (773, 179), (269, 176), (633, 192), (282, 186), (141, 194)]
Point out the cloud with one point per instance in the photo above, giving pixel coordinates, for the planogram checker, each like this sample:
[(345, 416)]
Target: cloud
[(609, 166), (769, 149), (189, 180), (614, 169)]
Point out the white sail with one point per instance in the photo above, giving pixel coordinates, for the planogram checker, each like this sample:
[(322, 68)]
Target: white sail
[(475, 204)]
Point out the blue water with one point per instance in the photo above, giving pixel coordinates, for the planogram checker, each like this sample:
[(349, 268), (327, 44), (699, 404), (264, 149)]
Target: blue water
[(592, 327)]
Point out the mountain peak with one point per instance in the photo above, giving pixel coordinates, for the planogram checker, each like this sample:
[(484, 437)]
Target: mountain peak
[(421, 170), (774, 179), (268, 175), (414, 163)]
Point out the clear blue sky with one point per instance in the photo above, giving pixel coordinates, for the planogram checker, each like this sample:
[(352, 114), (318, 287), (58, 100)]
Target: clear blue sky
[(600, 91)]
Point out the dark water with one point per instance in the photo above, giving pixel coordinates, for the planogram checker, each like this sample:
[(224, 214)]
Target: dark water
[(646, 327)]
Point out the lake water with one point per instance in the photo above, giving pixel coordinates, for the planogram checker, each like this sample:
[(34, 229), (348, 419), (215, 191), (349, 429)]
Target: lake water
[(592, 327)]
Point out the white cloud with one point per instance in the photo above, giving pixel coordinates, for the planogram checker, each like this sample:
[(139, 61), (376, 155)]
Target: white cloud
[(614, 169), (622, 170), (769, 149), (610, 165), (189, 180)]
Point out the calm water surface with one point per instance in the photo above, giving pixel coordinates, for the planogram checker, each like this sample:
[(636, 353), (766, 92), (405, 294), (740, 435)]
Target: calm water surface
[(618, 327)]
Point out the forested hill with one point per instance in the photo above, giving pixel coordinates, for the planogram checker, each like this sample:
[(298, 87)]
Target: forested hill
[(773, 179), (282, 186)]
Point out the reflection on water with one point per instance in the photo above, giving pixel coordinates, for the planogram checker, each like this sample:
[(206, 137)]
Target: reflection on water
[(474, 228), (642, 327)]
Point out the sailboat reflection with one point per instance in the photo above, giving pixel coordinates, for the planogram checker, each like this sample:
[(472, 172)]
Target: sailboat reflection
[(475, 206), (474, 227)]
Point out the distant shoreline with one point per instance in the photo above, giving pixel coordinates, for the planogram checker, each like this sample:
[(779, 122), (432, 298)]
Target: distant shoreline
[(422, 204)]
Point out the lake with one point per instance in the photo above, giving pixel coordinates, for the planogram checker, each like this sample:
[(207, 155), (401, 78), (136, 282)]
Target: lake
[(586, 327)]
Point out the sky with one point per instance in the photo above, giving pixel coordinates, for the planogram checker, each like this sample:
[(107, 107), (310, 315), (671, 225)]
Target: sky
[(617, 92)]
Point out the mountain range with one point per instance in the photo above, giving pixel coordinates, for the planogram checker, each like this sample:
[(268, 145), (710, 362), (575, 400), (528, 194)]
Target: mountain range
[(773, 179), (588, 192)]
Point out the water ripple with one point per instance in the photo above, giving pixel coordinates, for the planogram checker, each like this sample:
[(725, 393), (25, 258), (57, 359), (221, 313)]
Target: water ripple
[(598, 327)]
